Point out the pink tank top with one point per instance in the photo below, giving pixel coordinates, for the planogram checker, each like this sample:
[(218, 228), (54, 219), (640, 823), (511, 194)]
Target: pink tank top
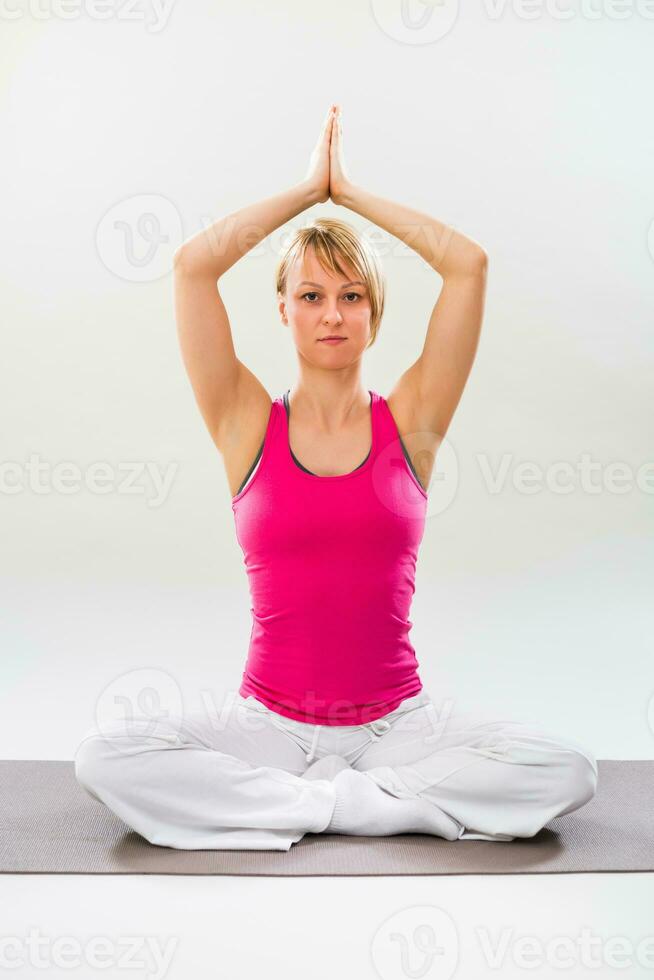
[(331, 566)]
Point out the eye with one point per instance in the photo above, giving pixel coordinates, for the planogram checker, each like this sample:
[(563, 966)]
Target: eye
[(304, 296)]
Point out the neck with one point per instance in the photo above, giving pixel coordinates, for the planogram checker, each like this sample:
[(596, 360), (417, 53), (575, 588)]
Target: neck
[(330, 409)]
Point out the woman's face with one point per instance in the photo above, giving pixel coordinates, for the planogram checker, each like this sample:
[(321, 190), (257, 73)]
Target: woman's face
[(319, 303)]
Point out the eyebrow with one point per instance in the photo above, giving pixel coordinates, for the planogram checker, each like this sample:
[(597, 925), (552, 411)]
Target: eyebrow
[(355, 282)]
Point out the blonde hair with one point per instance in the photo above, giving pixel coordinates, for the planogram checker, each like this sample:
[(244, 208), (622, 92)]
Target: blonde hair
[(332, 240)]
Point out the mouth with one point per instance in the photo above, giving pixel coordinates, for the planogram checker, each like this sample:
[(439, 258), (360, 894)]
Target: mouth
[(332, 340)]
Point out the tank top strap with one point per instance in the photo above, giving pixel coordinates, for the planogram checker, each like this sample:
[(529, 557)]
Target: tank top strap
[(385, 427), (276, 433), (272, 447)]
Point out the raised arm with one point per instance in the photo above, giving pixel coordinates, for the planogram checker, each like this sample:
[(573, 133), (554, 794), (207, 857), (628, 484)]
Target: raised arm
[(433, 385), (220, 381)]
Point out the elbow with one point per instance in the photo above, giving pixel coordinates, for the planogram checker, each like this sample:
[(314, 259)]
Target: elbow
[(481, 260), (179, 258), (185, 263), (472, 265)]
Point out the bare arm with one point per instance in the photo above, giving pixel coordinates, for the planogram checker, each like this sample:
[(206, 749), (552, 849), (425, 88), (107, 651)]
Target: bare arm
[(431, 388), (224, 388), (433, 385), (221, 382), (446, 250), (217, 248)]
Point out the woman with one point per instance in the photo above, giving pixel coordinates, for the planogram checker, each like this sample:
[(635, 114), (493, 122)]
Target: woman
[(329, 504)]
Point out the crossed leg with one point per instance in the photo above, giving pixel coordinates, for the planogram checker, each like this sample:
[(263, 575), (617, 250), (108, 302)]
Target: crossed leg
[(197, 783), (190, 783), (498, 779)]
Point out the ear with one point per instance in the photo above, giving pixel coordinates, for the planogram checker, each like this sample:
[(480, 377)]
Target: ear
[(282, 310)]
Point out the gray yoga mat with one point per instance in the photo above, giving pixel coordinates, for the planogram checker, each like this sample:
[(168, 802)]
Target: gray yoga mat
[(49, 825)]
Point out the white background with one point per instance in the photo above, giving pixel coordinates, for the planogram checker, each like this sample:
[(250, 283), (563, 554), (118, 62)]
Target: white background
[(533, 135)]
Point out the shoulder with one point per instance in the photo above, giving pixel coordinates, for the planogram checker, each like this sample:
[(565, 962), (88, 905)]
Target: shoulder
[(419, 444), (400, 410), (244, 428)]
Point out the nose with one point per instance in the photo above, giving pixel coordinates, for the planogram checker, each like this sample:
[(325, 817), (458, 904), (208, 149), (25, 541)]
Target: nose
[(333, 315)]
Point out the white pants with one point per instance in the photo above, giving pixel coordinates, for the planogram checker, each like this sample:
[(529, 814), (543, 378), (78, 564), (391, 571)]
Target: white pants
[(234, 781)]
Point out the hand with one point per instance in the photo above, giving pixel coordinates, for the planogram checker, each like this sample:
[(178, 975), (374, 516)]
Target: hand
[(317, 178), (339, 182)]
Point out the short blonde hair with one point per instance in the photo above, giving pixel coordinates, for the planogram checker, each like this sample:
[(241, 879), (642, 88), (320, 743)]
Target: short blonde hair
[(332, 240)]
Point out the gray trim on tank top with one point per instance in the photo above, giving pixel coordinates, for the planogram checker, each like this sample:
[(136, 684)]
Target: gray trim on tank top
[(295, 459), (299, 464)]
